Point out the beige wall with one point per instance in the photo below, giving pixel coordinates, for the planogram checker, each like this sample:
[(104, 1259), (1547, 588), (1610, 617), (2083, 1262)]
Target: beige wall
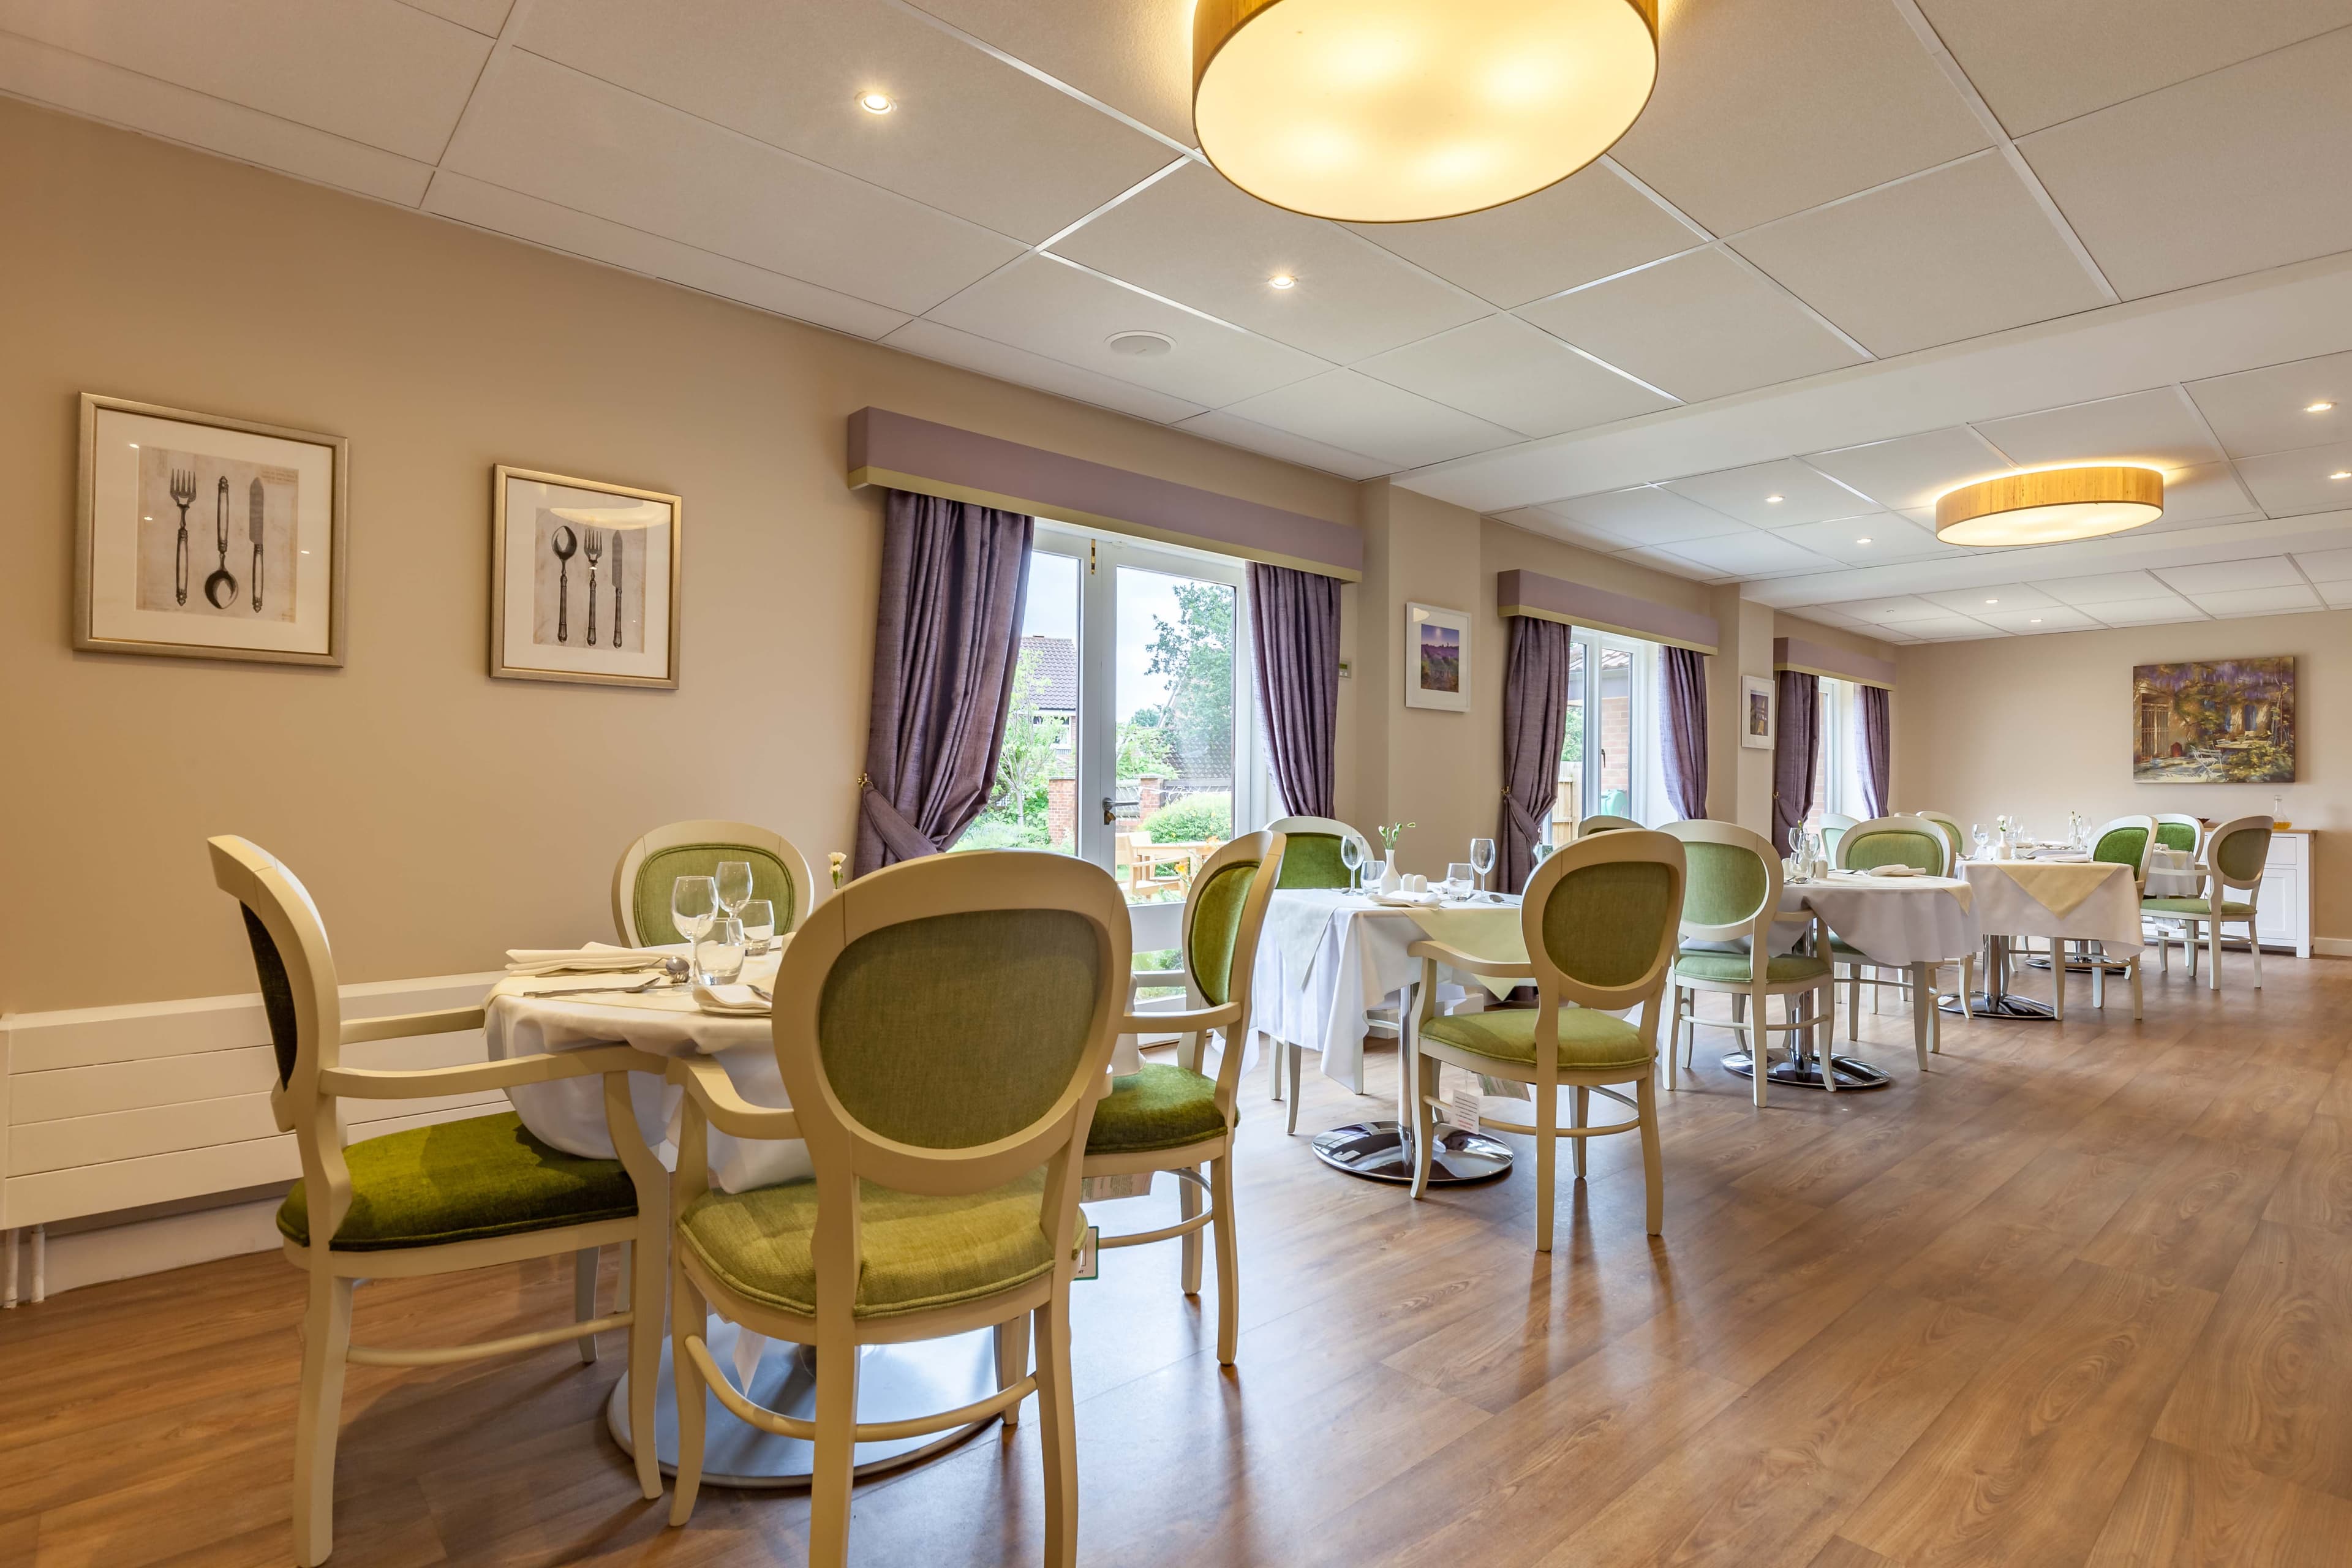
[(438, 816), (2040, 726)]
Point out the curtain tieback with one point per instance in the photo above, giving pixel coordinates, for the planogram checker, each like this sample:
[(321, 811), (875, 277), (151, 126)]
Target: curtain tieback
[(905, 841)]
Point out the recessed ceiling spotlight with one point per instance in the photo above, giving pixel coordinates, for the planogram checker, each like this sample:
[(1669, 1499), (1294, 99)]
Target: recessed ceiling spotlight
[(1282, 280), (1862, 541), (2341, 474), (2322, 406), (2034, 622), (876, 102), (1992, 601), (1774, 501), (1143, 345)]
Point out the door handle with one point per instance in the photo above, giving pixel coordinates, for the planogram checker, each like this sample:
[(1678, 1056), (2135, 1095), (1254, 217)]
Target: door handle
[(1110, 812)]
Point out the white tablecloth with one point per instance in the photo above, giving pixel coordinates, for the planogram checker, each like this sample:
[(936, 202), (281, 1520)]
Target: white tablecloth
[(2082, 900), (2173, 874), (1898, 920)]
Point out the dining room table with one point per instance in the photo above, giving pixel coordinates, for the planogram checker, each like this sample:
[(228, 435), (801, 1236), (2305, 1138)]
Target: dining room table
[(1916, 923), (2060, 895)]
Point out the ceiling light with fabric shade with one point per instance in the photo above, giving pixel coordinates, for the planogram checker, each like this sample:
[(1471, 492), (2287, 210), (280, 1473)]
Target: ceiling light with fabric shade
[(1404, 110), (2049, 506)]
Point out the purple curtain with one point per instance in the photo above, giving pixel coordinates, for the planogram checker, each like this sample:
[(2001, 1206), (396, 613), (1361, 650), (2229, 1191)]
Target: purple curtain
[(1294, 638), (954, 580), (1535, 719), (1797, 735), (1684, 731), (1878, 746)]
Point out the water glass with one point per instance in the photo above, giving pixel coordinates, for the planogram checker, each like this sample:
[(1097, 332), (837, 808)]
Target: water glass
[(693, 904), (759, 917), (734, 885), (1457, 877), (719, 951), (1373, 871)]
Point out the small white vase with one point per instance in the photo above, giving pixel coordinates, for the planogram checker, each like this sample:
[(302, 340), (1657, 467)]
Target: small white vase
[(1390, 878)]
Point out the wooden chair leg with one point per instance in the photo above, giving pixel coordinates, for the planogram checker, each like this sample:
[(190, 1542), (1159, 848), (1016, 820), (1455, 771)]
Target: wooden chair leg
[(644, 1274), (1675, 1020), (1821, 1031), (2057, 980), (1274, 1049), (1012, 1360), (1058, 1431), (2136, 966), (1547, 1153), (689, 1315), (1291, 1054), (1583, 1109), (319, 1418), (1853, 1003), (1229, 1260), (584, 1264), (1653, 1169), (1188, 1203), (2255, 952), (1760, 1039), (834, 1465), (2213, 952), (1422, 1074)]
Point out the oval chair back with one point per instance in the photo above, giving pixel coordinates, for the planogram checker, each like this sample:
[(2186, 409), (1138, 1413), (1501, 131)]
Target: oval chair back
[(2236, 854), (303, 1003), (2127, 841), (1312, 857), (1732, 883), (2174, 831), (641, 882), (1950, 826), (1834, 827), (1912, 841), (1603, 822), (1602, 919), (1222, 918)]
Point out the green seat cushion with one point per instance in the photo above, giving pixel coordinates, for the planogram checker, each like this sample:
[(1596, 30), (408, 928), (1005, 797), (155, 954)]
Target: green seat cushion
[(915, 1252), (1588, 1041), (1733, 967), (1312, 860), (1161, 1106), (460, 1181), (2231, 908)]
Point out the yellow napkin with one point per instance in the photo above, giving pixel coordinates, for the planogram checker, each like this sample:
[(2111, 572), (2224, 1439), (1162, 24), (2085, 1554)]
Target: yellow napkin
[(1490, 931)]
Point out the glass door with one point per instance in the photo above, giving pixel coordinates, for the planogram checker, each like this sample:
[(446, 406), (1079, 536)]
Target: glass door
[(1034, 802), (1604, 760)]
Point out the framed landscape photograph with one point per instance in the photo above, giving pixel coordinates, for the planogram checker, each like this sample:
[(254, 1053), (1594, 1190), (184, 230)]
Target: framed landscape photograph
[(1436, 657), (1755, 713), (199, 536), (2227, 721), (584, 580)]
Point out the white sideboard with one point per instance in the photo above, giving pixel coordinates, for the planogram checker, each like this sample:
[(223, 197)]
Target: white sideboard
[(2283, 913)]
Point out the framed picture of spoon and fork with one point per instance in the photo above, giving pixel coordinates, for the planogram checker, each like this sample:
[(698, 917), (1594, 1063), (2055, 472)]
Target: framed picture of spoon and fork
[(583, 580), (200, 536)]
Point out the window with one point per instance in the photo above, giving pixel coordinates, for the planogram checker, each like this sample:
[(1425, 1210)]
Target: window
[(1127, 743), (1610, 758), (1837, 760)]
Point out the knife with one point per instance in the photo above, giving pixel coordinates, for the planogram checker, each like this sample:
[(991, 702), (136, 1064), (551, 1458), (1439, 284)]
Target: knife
[(617, 536), (254, 530)]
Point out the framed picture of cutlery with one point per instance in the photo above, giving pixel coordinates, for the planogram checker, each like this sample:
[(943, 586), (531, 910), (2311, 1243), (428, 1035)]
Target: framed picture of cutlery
[(584, 580), (204, 537)]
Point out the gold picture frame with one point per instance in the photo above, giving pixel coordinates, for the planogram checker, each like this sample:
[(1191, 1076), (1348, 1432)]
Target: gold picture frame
[(620, 544), (278, 542)]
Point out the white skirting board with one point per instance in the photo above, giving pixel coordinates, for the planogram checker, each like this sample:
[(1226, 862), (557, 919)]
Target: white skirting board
[(150, 1245)]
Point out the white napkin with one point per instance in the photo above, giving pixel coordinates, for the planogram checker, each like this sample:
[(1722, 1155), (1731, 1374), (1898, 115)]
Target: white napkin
[(1895, 871), (596, 958), (729, 999), (1408, 899)]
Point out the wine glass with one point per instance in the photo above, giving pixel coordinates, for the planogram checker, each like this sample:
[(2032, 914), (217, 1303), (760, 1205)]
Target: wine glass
[(693, 905), (759, 917), (734, 885), (1351, 855), (718, 949), (1482, 861), (1983, 840)]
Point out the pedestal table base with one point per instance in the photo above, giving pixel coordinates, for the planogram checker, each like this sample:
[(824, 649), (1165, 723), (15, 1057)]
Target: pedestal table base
[(1382, 1151)]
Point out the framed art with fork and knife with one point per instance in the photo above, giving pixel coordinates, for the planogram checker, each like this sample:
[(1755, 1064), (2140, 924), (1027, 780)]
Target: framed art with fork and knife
[(584, 580), (200, 536)]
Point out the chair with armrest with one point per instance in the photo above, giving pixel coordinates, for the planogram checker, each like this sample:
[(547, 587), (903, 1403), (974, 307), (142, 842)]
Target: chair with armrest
[(2125, 841), (438, 1199), (1603, 822), (1598, 921), (1311, 859), (1172, 1116), (2182, 835), (641, 882), (943, 1028), (1929, 845), (2235, 853), (1951, 828), (1834, 827), (1729, 911)]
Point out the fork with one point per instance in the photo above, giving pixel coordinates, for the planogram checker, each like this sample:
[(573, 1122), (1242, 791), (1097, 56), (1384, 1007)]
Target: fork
[(593, 549), (183, 495)]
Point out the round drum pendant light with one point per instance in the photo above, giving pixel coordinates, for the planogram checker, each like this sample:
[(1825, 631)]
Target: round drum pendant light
[(1401, 111), (2050, 505)]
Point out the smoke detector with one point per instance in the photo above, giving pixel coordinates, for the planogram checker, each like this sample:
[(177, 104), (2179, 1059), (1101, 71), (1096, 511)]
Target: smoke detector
[(1143, 345)]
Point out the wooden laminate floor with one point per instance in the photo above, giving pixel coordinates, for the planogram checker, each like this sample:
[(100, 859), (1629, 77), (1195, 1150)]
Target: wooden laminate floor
[(2081, 1295)]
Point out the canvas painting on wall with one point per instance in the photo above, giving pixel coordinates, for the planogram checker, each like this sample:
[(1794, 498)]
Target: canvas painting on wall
[(2227, 721), (1436, 658), (584, 580)]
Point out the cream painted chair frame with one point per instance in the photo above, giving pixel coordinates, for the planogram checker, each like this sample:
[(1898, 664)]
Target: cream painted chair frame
[(1602, 822), (1194, 1023), (1424, 1058), (2167, 924), (843, 1152), (1747, 1000), (806, 893), (2206, 928), (2094, 953), (306, 1105), (1929, 1041), (1282, 1056)]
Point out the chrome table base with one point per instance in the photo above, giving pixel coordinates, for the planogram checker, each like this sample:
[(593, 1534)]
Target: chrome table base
[(1851, 1072), (1382, 1151)]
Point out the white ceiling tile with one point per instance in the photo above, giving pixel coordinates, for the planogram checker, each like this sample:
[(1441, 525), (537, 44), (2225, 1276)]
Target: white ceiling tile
[(1752, 553), (1068, 314), (2146, 612), (1502, 370), (2206, 493), (932, 340), (2004, 598), (1646, 515), (501, 211), (2154, 428), (97, 90), (1748, 494), (2229, 576), (1590, 226), (1891, 540), (1699, 326), (1136, 57), (1764, 110), (2105, 588), (2258, 601), (2039, 620), (2260, 152), (1911, 471), (2269, 410), (1679, 566), (1892, 611), (485, 16), (551, 132), (1549, 521), (2338, 595), (971, 135), (2325, 565), (1235, 431), (1951, 629), (2038, 63), (2289, 484), (1198, 238), (1956, 253), (376, 71), (1374, 418)]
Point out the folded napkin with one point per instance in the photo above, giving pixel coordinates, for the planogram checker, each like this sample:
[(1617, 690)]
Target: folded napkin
[(1409, 900), (729, 999), (1895, 871), (596, 958)]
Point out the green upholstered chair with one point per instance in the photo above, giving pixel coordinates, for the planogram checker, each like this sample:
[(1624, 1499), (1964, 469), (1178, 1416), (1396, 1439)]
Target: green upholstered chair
[(1927, 844), (1311, 859), (1834, 827), (641, 882), (437, 1199), (1951, 828), (1598, 921), (1616, 803), (2183, 835), (2174, 831), (1603, 822), (2235, 853), (1172, 1116), (1728, 912), (943, 1028), (2125, 841)]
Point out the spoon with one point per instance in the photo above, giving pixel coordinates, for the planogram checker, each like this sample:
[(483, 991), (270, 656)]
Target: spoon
[(221, 586), (563, 541)]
